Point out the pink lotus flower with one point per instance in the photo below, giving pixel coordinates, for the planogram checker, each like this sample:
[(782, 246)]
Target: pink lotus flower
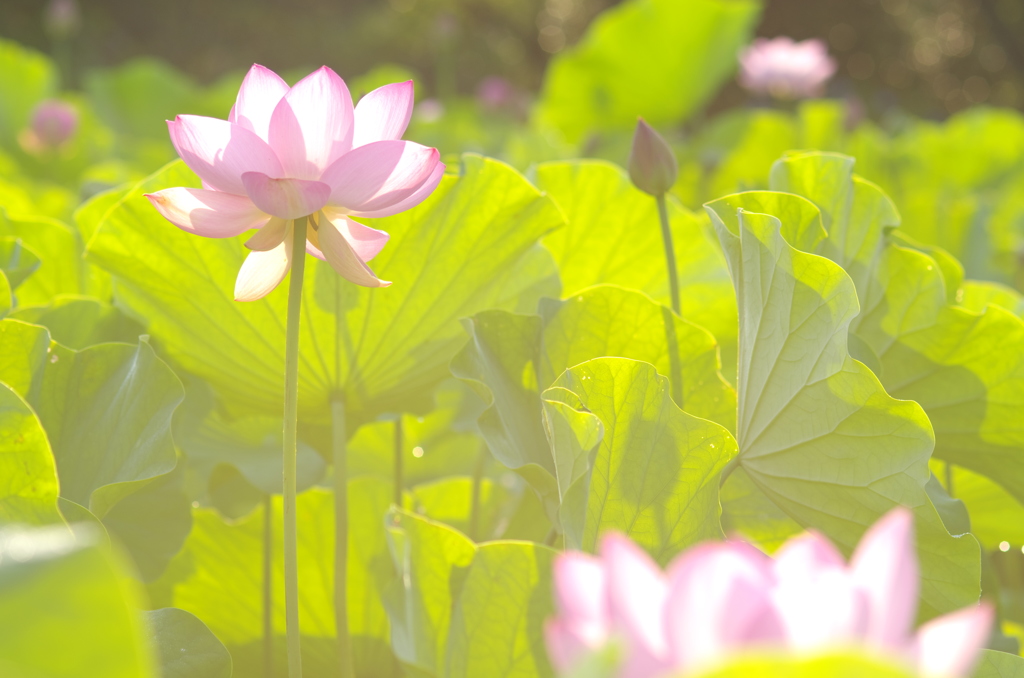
[(785, 69), (719, 599), (287, 153), (53, 124)]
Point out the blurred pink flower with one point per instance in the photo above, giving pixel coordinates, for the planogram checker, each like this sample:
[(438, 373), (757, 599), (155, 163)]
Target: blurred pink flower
[(721, 598), (285, 153), (53, 124), (495, 92), (62, 18), (785, 69)]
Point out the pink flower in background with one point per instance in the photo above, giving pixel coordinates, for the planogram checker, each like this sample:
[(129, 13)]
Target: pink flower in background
[(53, 124), (718, 599), (286, 153), (785, 69), (495, 92)]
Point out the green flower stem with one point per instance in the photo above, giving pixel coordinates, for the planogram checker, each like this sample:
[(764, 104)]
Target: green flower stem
[(478, 479), (399, 444), (339, 445), (268, 588), (670, 254), (291, 420)]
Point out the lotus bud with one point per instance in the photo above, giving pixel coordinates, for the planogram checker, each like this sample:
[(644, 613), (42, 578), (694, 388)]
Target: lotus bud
[(62, 18), (652, 165), (54, 123)]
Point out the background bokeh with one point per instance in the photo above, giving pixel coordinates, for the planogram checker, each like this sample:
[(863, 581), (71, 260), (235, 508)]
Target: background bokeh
[(927, 57)]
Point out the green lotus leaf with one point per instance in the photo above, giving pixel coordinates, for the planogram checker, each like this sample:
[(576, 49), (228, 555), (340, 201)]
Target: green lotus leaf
[(613, 236), (66, 603), (185, 646), (620, 67), (656, 472), (80, 322), (965, 368), (61, 270), (497, 627), (450, 501), (17, 261), (6, 296), (106, 410), (817, 432), (218, 577), (28, 476), (976, 295), (458, 609), (434, 446), (472, 245), (512, 358), (995, 664), (152, 523)]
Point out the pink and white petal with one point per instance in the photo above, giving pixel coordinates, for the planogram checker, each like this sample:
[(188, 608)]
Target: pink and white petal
[(339, 254), (211, 214), (580, 589), (220, 151), (950, 646), (720, 601), (884, 566), (270, 236), (384, 113), (315, 251), (421, 194), (285, 198), (637, 591), (566, 645), (312, 125), (366, 241), (261, 272), (261, 91), (379, 174), (805, 556), (823, 611)]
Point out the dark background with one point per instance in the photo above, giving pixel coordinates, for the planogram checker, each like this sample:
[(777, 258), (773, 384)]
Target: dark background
[(931, 57)]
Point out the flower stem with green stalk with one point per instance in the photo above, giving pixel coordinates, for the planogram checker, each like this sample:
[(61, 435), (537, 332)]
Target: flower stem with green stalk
[(268, 587), (399, 444), (670, 253), (339, 453), (291, 421)]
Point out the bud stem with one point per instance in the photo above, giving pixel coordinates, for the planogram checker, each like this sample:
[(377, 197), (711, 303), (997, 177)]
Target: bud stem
[(670, 254), (291, 419)]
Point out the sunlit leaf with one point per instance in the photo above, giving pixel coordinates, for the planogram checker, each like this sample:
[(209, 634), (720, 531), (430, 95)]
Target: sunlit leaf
[(28, 476), (999, 665), (620, 68), (497, 627), (613, 236), (470, 246), (966, 369), (461, 610), (817, 432), (106, 410), (219, 578), (66, 603), (185, 646), (80, 322), (657, 470), (17, 261)]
